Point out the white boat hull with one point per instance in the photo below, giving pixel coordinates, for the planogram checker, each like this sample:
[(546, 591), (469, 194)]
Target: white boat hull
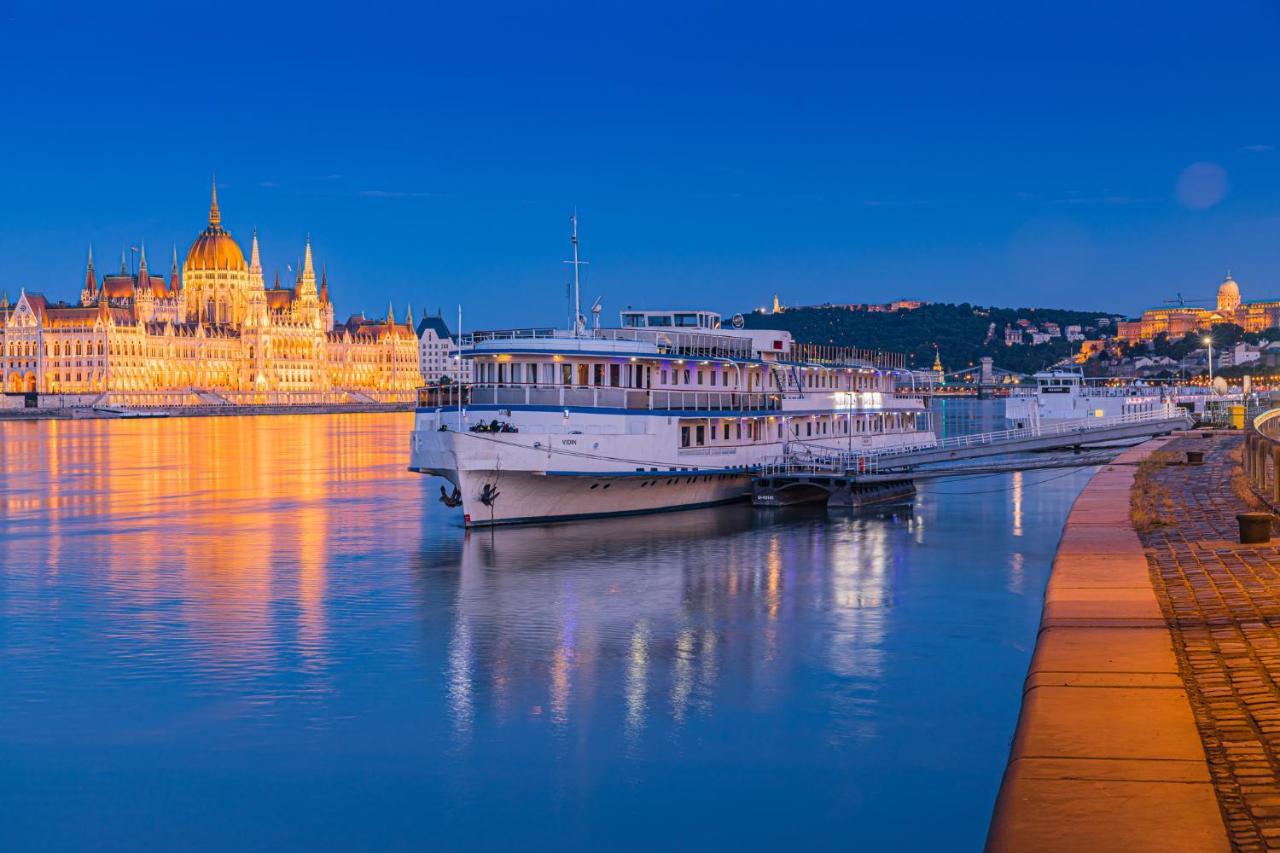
[(519, 497)]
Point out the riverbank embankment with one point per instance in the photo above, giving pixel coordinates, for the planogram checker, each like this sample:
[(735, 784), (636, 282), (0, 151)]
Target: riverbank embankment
[(1107, 753), (204, 411)]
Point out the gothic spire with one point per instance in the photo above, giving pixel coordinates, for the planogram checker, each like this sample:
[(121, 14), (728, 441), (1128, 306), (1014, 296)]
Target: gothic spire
[(175, 283), (324, 283), (391, 315), (143, 285), (277, 284), (124, 265), (90, 278), (255, 263), (307, 276), (215, 216)]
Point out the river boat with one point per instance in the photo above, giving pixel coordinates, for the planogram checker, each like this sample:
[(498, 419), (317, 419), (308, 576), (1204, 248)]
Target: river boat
[(1067, 395), (114, 412), (671, 410)]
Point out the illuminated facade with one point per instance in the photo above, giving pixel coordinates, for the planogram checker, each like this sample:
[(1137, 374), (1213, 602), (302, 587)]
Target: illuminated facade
[(435, 343), (213, 333), (1180, 320)]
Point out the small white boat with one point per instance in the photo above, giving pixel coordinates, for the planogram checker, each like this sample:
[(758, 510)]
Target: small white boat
[(112, 412), (1066, 395)]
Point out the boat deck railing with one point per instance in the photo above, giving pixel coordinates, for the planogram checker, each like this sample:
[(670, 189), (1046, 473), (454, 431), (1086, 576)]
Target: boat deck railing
[(668, 342), (566, 396), (699, 344)]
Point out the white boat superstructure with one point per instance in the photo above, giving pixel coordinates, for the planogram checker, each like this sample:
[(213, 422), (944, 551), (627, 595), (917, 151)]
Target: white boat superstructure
[(1066, 395), (668, 411)]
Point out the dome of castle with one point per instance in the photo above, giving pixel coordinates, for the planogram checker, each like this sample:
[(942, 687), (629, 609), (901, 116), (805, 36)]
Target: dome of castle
[(1228, 294), (215, 248)]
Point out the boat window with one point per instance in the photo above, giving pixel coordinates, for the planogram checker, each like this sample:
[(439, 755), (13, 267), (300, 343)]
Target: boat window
[(701, 432), (566, 374), (660, 320), (686, 319), (684, 436), (664, 377), (597, 374), (699, 377), (632, 321)]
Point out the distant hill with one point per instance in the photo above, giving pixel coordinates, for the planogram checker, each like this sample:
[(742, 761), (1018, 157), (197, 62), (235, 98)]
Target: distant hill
[(960, 332)]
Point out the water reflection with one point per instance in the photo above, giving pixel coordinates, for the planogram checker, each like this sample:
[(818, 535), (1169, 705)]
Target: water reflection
[(243, 593), (209, 535), (567, 609)]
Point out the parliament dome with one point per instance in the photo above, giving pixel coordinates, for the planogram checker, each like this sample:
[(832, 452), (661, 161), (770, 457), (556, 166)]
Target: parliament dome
[(215, 248)]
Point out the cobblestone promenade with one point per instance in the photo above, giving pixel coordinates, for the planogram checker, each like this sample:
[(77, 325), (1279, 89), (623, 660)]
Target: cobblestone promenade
[(1222, 602)]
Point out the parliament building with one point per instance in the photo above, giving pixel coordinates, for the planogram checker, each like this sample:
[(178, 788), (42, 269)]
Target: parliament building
[(213, 333)]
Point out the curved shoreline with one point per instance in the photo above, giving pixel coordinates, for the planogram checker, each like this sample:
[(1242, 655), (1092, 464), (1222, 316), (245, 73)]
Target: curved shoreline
[(1106, 755)]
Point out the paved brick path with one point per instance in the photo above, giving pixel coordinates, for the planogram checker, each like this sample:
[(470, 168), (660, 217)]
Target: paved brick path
[(1222, 602)]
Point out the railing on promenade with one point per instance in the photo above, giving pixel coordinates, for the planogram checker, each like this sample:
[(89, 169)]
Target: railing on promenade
[(562, 396), (1261, 456)]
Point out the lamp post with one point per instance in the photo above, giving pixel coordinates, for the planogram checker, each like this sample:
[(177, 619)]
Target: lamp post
[(1209, 343)]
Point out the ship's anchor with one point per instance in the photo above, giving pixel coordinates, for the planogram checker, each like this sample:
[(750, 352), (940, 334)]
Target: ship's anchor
[(451, 500), (489, 495)]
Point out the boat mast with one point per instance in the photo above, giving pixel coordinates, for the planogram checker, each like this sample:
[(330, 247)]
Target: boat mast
[(457, 385), (577, 294)]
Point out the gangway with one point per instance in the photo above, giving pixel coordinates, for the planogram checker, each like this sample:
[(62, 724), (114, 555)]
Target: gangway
[(808, 472)]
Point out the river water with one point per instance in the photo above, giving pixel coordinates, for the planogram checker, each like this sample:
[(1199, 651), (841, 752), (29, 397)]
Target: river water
[(264, 633)]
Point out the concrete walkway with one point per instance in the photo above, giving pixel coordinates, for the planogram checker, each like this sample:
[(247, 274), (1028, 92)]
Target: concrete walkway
[(1107, 754), (1222, 601)]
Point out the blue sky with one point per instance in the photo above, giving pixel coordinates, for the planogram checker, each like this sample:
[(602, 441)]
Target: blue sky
[(1089, 155)]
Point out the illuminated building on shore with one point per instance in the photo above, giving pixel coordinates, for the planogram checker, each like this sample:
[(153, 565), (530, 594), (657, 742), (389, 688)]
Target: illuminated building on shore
[(213, 333), (1175, 321), (435, 343)]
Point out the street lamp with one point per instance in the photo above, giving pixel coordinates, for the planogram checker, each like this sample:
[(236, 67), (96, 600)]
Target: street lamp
[(1209, 343)]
